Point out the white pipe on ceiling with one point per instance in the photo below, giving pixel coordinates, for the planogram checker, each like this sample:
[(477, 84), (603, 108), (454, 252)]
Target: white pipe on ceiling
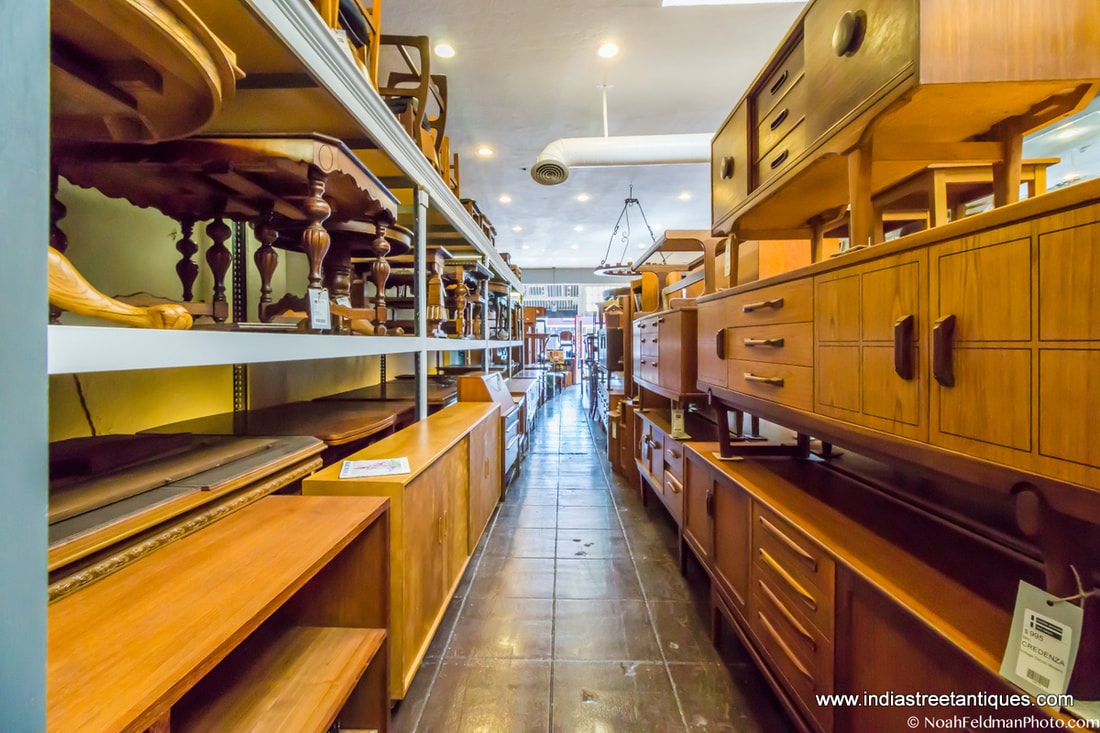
[(553, 164)]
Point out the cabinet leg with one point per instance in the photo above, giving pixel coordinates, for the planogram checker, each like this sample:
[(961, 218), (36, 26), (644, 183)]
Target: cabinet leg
[(861, 225)]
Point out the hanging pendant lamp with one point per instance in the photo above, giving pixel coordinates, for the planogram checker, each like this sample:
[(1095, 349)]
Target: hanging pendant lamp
[(623, 268)]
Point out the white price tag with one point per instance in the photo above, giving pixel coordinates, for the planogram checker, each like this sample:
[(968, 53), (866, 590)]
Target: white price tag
[(320, 317), (678, 432), (1042, 645), (344, 301)]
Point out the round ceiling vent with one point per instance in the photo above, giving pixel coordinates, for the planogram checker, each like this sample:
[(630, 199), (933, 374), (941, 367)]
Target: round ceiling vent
[(550, 172)]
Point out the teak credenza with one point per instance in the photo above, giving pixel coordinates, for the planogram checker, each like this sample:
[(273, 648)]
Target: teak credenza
[(438, 513)]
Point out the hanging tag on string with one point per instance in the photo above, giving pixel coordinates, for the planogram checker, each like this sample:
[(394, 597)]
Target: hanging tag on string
[(319, 312), (1042, 644)]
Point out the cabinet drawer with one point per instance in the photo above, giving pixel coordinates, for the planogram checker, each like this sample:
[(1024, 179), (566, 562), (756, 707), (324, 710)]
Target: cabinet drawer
[(673, 496), (674, 458), (791, 302), (783, 383), (781, 155), (801, 656), (802, 570), (729, 165), (785, 343), (781, 120), (883, 35), (648, 344), (785, 77)]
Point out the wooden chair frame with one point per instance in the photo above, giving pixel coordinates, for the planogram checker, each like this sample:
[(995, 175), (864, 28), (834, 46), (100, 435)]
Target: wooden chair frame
[(329, 10)]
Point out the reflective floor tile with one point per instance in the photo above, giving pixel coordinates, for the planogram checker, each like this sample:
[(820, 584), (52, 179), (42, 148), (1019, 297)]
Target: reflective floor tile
[(580, 544), (505, 695), (604, 630), (599, 697), (597, 579), (502, 627)]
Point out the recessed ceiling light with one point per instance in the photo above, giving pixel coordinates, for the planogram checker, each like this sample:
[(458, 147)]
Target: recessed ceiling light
[(574, 246), (505, 199), (608, 50), (583, 197), (572, 259), (517, 228), (444, 50), (685, 196), (578, 228), (525, 246), (484, 151), (1068, 133)]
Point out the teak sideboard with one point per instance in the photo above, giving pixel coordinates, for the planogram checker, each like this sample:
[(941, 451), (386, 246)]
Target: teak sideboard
[(438, 513)]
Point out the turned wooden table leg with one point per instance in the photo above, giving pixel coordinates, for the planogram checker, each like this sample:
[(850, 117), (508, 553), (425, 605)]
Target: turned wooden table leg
[(437, 306), (338, 274), (315, 240), (460, 305), (267, 260), (380, 274), (58, 240), (187, 269), (218, 258)]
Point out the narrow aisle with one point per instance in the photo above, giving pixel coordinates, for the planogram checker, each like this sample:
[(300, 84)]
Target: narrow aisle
[(573, 615)]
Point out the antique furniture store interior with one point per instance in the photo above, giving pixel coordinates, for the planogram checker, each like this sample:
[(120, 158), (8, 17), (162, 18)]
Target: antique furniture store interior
[(574, 366)]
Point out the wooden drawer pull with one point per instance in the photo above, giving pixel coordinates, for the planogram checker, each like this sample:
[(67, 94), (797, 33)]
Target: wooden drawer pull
[(783, 646), (803, 594), (727, 167), (720, 344), (787, 614), (670, 484), (780, 81), (773, 381), (904, 364), (780, 159), (776, 303), (782, 116), (775, 343), (943, 368), (674, 454), (810, 560)]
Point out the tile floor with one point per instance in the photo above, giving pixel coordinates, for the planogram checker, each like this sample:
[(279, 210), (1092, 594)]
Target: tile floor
[(573, 616)]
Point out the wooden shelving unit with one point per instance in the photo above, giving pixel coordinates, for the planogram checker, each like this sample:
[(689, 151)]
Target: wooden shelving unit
[(244, 627)]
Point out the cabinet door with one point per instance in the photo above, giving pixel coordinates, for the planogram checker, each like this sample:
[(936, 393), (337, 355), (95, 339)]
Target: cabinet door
[(698, 495), (454, 487), (868, 366), (712, 344), (981, 332), (424, 566), (884, 35), (670, 353), (485, 473), (729, 165), (730, 540)]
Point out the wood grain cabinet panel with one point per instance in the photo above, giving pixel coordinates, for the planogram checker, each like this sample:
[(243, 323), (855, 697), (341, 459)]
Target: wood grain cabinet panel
[(729, 167), (485, 478), (698, 495), (422, 586), (666, 358), (889, 293), (710, 332), (730, 542), (837, 307), (986, 285), (1069, 405), (838, 381), (791, 302), (883, 395), (991, 400), (881, 53), (1069, 273)]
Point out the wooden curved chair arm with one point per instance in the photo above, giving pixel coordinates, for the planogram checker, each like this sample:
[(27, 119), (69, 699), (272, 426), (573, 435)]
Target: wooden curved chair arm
[(70, 291)]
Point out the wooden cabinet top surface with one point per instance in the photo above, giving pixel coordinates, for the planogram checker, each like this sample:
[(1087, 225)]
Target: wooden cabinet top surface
[(890, 548), (334, 422), (126, 648), (422, 443), (439, 393)]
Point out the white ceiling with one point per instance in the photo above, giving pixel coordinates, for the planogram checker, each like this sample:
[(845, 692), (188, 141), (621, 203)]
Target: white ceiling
[(526, 73)]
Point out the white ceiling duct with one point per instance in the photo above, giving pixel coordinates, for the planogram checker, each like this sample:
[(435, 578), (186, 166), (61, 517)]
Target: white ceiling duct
[(552, 166)]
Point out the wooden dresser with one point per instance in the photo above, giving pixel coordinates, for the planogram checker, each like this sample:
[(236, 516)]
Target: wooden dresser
[(965, 348), (664, 350), (860, 96), (271, 619), (438, 513)]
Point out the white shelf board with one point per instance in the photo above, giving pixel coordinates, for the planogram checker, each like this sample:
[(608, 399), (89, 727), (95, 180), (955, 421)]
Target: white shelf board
[(300, 27), (81, 349)]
